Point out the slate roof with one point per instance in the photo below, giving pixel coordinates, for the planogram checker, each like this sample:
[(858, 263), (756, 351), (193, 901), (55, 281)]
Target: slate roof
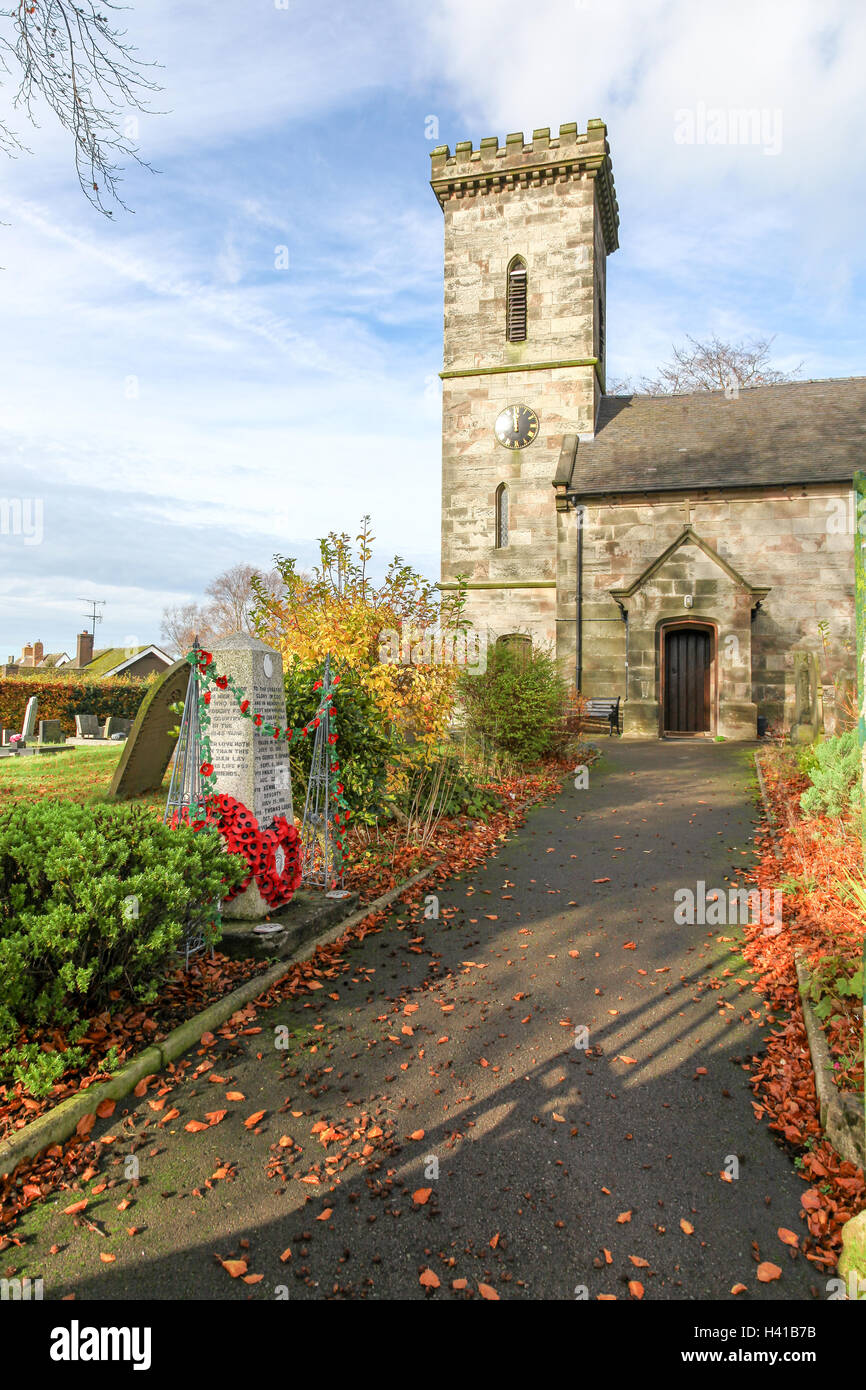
[(798, 432)]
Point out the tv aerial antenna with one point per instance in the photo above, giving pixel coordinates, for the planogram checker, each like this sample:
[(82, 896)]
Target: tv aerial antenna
[(93, 616)]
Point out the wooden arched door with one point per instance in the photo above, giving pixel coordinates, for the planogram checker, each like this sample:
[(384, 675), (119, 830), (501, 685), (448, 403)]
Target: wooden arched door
[(687, 666)]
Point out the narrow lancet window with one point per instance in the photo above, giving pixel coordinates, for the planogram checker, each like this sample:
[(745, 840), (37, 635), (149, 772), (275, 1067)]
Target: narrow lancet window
[(501, 516)]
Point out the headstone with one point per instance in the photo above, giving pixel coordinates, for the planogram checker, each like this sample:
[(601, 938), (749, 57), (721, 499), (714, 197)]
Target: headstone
[(828, 710), (86, 726), (116, 726), (806, 724), (50, 731), (250, 765), (150, 746), (28, 729)]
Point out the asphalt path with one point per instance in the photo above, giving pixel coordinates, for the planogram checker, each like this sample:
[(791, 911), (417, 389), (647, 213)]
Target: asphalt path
[(540, 1094)]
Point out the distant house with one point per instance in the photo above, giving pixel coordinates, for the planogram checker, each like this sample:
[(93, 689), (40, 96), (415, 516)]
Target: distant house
[(100, 664), (116, 661)]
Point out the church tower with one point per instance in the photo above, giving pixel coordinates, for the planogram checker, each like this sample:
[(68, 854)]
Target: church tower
[(528, 228)]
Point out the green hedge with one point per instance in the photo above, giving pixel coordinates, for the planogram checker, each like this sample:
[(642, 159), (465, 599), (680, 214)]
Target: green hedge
[(93, 902), (62, 698)]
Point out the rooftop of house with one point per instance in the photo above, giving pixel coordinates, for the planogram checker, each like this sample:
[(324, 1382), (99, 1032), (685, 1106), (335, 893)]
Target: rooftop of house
[(107, 658), (793, 433)]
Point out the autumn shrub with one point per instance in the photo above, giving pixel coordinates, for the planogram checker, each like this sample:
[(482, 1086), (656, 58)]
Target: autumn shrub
[(390, 633), (94, 900), (834, 771), (516, 705)]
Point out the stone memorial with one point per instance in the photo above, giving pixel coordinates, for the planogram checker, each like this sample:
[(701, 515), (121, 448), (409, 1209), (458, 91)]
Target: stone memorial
[(28, 729), (806, 723), (251, 766), (116, 726), (50, 731), (86, 726)]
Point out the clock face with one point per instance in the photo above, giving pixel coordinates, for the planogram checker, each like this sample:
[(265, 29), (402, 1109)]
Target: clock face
[(516, 426)]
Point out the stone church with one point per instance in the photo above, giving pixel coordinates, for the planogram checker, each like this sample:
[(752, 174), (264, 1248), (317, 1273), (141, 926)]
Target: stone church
[(676, 551)]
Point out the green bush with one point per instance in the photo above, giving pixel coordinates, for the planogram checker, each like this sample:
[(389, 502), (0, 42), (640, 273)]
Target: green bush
[(835, 776), (95, 900), (366, 740), (516, 705)]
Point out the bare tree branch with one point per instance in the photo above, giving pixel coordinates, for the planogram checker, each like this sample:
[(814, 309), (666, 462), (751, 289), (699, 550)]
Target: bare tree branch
[(73, 57), (716, 366)]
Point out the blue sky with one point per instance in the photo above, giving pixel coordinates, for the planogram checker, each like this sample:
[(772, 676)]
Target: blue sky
[(179, 403)]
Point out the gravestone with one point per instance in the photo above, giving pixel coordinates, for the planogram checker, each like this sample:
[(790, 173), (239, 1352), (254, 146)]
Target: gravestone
[(86, 726), (50, 731), (828, 709), (29, 727), (806, 723), (116, 726), (249, 765), (149, 748)]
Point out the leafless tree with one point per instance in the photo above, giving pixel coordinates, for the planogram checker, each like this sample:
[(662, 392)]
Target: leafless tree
[(181, 624), (73, 57), (716, 366), (231, 597)]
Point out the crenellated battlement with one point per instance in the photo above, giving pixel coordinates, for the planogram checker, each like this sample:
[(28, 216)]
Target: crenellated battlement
[(519, 163)]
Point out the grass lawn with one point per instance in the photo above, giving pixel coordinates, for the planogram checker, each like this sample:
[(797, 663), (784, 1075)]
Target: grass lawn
[(83, 775)]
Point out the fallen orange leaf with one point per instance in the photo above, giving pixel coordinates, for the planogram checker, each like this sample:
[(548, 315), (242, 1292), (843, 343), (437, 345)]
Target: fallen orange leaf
[(487, 1291), (428, 1279), (767, 1272)]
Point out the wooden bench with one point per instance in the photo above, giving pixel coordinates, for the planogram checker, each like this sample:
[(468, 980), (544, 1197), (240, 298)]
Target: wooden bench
[(606, 710)]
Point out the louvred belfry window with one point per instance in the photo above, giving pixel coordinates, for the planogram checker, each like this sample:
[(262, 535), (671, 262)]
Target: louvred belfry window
[(515, 310)]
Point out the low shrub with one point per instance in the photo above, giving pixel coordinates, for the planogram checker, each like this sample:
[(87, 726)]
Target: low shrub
[(834, 771), (441, 785), (517, 704), (94, 900)]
